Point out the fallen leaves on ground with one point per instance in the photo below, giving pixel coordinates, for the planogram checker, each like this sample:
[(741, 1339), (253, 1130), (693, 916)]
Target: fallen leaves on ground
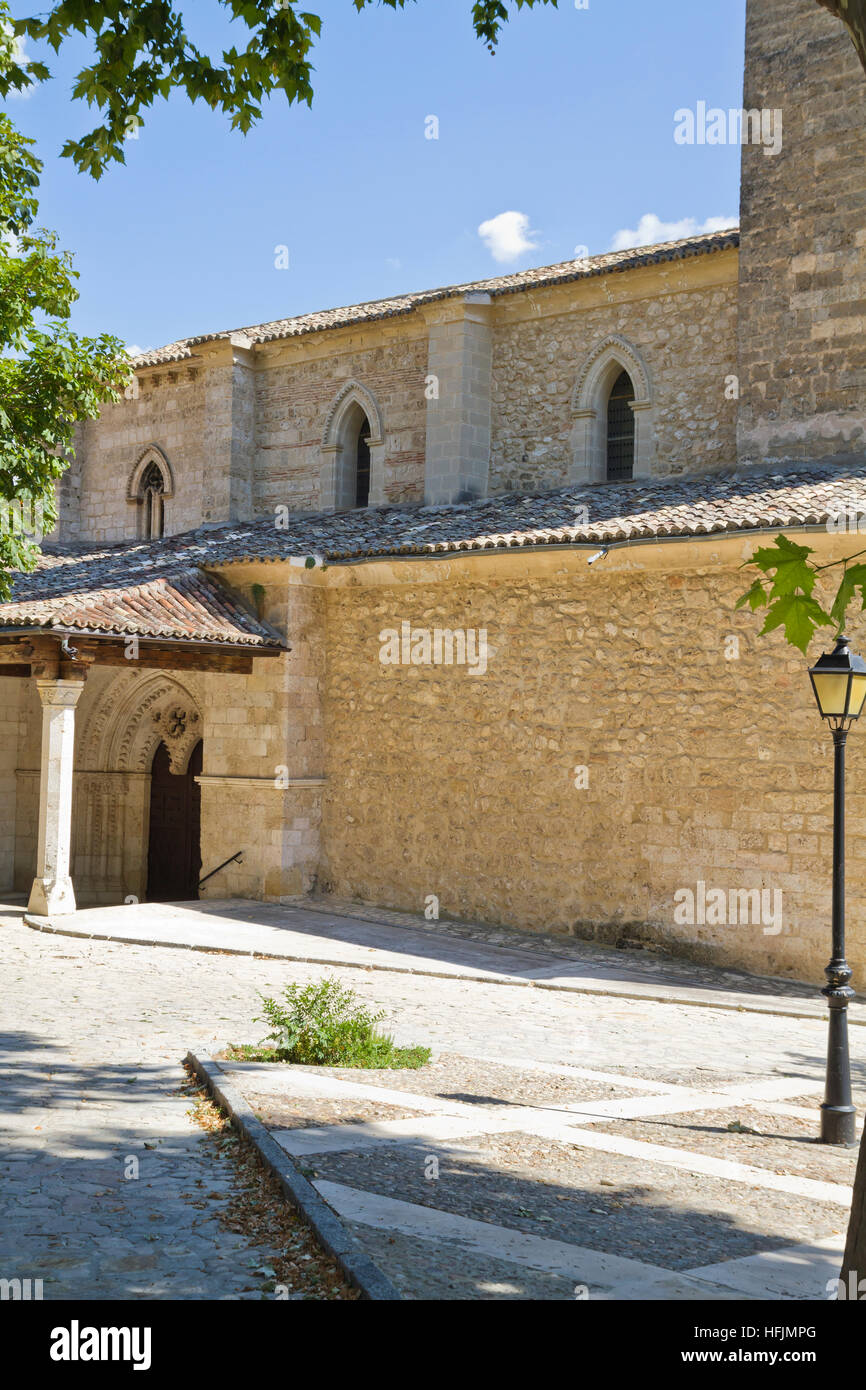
[(256, 1208)]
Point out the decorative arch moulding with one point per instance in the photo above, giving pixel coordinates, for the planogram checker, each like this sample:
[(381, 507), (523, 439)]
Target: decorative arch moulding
[(131, 719), (613, 351), (353, 393), (151, 455)]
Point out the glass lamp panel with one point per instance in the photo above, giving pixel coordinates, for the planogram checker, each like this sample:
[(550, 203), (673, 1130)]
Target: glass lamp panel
[(831, 689), (858, 695)]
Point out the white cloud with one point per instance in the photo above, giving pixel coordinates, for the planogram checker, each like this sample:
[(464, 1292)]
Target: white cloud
[(133, 350), (650, 229), (20, 55), (507, 237)]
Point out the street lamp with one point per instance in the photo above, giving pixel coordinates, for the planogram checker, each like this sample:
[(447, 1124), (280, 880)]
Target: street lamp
[(839, 682)]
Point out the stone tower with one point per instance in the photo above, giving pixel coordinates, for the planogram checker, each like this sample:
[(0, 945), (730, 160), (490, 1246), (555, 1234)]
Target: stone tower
[(802, 290)]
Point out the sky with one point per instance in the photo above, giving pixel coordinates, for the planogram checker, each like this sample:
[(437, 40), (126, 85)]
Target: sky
[(560, 144)]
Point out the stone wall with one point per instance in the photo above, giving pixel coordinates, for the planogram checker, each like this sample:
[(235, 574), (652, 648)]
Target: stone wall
[(263, 754), (680, 316), (700, 768), (802, 303), (459, 364), (243, 430), (169, 411), (297, 383)]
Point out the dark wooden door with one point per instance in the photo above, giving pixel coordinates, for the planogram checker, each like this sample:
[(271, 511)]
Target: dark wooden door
[(174, 846)]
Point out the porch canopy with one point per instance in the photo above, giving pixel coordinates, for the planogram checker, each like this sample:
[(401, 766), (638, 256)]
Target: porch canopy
[(110, 609)]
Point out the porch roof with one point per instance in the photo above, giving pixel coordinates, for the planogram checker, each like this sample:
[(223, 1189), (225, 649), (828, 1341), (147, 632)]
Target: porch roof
[(80, 596), (166, 589)]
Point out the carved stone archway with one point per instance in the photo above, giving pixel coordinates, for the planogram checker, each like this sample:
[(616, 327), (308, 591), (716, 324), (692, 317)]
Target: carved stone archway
[(136, 712), (149, 460)]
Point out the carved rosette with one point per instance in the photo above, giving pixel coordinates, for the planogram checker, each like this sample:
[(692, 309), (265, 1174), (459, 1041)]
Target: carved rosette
[(180, 730)]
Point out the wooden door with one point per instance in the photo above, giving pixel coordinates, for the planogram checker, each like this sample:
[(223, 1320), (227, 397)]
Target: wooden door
[(174, 846)]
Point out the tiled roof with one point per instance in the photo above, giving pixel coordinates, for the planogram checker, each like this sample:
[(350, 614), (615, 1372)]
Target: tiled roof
[(158, 588), (610, 263), (184, 605)]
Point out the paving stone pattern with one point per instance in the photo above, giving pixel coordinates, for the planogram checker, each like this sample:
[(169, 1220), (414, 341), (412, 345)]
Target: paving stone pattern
[(524, 1087)]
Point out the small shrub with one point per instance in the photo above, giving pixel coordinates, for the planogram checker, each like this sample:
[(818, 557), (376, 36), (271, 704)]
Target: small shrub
[(324, 1024)]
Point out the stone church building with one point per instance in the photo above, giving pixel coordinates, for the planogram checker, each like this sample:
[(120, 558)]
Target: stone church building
[(434, 596)]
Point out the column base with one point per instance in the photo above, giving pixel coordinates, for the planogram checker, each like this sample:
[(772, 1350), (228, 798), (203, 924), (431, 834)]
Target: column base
[(839, 1125), (51, 897)]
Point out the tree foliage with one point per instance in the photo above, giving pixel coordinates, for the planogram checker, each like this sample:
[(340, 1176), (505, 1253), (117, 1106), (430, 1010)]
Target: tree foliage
[(49, 377), (786, 584), (142, 52)]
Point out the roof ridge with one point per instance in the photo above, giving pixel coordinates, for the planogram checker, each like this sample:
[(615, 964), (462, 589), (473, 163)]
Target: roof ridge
[(320, 320)]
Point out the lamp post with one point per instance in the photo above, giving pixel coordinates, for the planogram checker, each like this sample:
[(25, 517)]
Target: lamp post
[(839, 682)]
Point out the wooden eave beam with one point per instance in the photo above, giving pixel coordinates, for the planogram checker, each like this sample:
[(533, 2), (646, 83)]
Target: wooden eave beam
[(43, 654)]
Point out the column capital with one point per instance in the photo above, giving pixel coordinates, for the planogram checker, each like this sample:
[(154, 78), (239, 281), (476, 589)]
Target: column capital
[(62, 694)]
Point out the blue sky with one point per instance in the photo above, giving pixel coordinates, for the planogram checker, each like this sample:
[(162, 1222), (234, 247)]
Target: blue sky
[(570, 125)]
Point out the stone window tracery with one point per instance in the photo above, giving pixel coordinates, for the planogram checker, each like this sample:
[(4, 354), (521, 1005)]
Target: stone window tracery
[(149, 486), (153, 513)]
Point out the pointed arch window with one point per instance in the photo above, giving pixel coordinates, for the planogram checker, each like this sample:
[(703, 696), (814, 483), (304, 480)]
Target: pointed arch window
[(149, 486), (353, 451), (152, 503), (615, 415), (620, 430)]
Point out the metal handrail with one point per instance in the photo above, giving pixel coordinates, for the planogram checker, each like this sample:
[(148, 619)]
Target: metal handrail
[(220, 866)]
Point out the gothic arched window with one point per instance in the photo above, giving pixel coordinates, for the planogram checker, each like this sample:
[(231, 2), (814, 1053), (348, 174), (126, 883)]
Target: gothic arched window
[(620, 430), (151, 493), (352, 451), (614, 429)]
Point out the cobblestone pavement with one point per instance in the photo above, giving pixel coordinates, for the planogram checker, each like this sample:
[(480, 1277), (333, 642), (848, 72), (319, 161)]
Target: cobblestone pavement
[(93, 1033)]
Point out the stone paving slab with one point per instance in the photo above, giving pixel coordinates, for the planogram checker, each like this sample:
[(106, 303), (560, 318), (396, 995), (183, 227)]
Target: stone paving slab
[(313, 932), (492, 1184), (478, 1260), (798, 1271), (779, 1143)]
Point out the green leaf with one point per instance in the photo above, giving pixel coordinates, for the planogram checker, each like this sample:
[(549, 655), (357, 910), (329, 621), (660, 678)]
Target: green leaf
[(800, 616), (853, 578), (788, 562), (50, 379), (755, 597)]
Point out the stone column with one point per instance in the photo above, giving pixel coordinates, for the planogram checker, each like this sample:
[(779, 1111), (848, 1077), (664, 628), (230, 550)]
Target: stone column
[(458, 406), (52, 887), (228, 434)]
